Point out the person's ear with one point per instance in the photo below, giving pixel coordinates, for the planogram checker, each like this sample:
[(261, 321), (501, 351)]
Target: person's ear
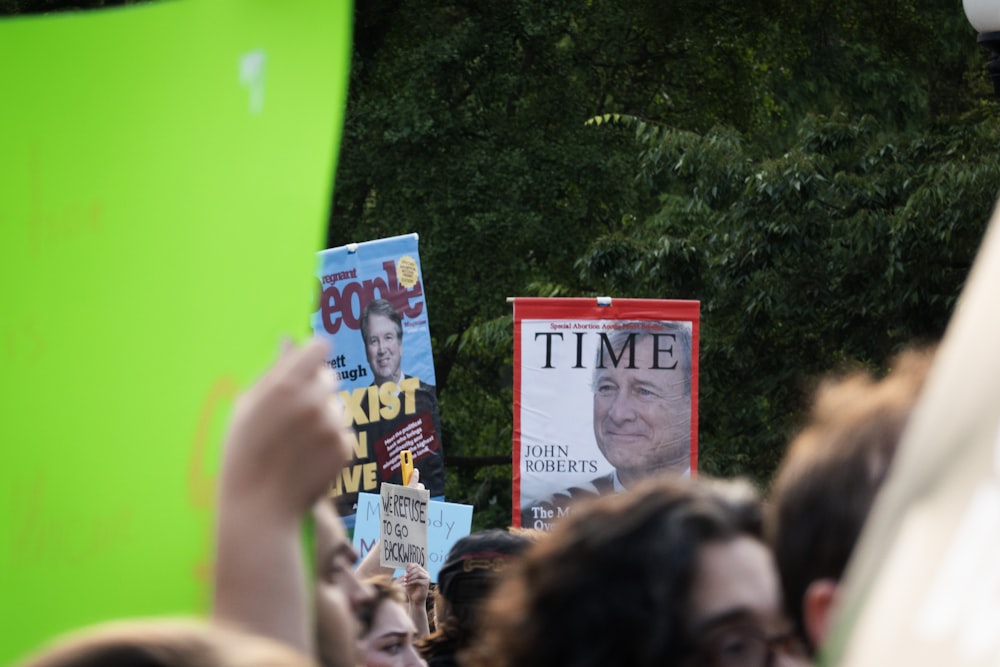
[(817, 608)]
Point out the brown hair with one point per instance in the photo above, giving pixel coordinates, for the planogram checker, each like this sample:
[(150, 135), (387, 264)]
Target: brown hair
[(832, 472), (385, 309), (611, 583), (385, 590), (470, 572), (165, 643)]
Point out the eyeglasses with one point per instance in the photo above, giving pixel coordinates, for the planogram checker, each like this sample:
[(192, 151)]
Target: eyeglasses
[(745, 645)]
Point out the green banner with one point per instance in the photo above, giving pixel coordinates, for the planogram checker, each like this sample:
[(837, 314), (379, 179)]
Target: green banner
[(166, 174)]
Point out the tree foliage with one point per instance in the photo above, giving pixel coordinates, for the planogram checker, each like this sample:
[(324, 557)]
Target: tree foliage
[(847, 247), (817, 174)]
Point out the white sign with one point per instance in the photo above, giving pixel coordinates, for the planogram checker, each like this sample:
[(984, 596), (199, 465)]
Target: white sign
[(403, 531), (446, 524)]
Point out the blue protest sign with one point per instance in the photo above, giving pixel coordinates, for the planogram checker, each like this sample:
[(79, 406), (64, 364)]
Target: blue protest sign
[(446, 524), (373, 311)]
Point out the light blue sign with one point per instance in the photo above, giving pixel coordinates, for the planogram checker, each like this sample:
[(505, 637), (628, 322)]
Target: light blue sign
[(446, 524), (350, 277)]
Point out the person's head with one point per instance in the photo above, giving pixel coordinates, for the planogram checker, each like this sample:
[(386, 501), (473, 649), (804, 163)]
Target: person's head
[(471, 570), (340, 594), (387, 630), (165, 643), (382, 331), (672, 572), (642, 399), (829, 479)]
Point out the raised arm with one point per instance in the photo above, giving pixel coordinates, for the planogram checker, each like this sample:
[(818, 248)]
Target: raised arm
[(284, 445)]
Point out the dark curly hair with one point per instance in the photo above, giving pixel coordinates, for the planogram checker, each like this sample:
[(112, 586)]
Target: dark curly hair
[(473, 567), (610, 585)]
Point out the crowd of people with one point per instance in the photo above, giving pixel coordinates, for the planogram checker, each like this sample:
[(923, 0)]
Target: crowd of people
[(675, 570)]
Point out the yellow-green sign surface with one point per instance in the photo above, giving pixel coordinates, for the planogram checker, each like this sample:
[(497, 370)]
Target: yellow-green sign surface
[(165, 174)]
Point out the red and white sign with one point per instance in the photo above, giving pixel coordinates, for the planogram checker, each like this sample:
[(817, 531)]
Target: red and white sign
[(605, 393)]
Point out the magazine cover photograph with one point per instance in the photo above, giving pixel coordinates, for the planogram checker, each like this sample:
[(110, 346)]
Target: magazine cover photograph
[(372, 309), (605, 394)]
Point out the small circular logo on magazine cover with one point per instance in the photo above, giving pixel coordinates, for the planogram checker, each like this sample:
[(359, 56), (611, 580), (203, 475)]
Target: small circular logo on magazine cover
[(406, 270)]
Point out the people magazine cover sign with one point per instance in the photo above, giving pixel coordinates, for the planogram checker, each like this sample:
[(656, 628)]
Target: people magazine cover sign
[(373, 311), (605, 394)]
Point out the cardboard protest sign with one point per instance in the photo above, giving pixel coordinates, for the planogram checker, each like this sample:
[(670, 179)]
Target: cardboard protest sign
[(372, 309), (403, 520), (605, 393), (446, 524), (166, 172), (923, 585)]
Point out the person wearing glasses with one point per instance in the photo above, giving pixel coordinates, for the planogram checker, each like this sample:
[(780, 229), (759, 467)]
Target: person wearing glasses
[(674, 572)]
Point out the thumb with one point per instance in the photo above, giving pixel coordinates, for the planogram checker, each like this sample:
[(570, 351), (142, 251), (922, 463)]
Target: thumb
[(414, 482), (285, 346)]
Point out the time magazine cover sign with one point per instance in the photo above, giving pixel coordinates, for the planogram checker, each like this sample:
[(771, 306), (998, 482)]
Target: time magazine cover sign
[(373, 310), (605, 393)]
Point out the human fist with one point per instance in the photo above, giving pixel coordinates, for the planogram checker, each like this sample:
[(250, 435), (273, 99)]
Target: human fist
[(288, 438)]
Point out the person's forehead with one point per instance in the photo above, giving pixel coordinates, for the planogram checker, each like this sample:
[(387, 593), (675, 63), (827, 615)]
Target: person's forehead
[(733, 575), (392, 618), (642, 351), (641, 373), (376, 321)]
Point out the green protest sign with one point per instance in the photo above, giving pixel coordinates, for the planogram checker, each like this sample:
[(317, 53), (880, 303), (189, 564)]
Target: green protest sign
[(166, 173)]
